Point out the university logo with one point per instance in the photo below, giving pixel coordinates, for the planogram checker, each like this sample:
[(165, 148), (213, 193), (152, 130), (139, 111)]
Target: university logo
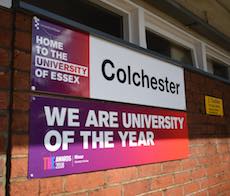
[(60, 59)]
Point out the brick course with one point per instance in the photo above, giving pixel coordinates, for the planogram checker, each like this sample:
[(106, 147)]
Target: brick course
[(6, 21)]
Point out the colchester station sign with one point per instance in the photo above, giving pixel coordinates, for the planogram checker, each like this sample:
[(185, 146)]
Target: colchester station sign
[(78, 64), (68, 135)]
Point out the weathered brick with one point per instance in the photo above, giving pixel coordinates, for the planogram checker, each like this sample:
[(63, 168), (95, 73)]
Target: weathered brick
[(5, 38), (21, 80), (112, 191), (162, 182), (201, 193), (84, 181), (136, 188), (199, 142), (214, 159), (19, 145), (51, 185), (203, 160), (23, 40), (213, 191), (171, 166), (4, 80), (4, 100), (21, 101), (225, 157), (174, 191), (223, 148), (2, 167), (198, 173), (182, 177), (157, 193), (3, 123), (6, 19), (79, 194), (197, 129), (197, 117), (192, 107), (196, 151), (29, 187), (149, 170), (188, 164), (212, 170), (23, 22), (19, 167), (207, 182), (225, 168), (225, 186), (4, 57), (22, 60), (191, 187), (120, 175), (2, 145), (20, 121), (210, 149), (2, 192)]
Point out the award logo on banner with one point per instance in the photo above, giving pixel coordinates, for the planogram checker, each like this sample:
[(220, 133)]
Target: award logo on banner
[(60, 59)]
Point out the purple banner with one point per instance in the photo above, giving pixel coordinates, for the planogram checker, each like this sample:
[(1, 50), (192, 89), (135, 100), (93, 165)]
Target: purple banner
[(75, 136), (60, 59)]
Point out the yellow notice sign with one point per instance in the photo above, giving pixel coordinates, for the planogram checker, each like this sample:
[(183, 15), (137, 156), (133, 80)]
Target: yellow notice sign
[(214, 106)]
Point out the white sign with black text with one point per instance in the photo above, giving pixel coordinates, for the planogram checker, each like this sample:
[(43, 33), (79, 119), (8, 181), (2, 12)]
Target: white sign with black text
[(124, 75)]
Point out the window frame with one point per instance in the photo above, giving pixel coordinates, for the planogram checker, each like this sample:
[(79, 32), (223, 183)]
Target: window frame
[(216, 55), (190, 47), (111, 6), (170, 32)]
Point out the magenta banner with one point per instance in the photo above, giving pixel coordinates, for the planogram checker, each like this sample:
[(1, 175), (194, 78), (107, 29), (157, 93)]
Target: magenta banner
[(76, 136), (60, 59)]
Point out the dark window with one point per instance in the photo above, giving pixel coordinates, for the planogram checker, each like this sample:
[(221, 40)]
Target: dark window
[(85, 12), (218, 68), (167, 48)]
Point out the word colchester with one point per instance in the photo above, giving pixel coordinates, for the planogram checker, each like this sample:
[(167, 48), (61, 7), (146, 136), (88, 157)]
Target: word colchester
[(127, 76)]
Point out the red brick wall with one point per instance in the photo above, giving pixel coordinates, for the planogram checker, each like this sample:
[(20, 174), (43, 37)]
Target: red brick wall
[(6, 19), (205, 172)]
